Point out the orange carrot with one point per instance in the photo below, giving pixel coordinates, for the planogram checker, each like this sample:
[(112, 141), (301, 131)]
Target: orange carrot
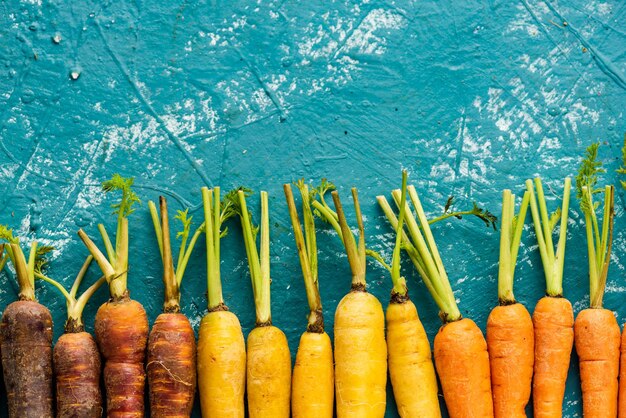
[(171, 363), (460, 350), (26, 339), (553, 318), (121, 324), (596, 332), (510, 335), (76, 357)]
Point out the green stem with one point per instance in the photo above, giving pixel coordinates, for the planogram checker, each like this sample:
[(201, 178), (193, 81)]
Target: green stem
[(399, 284), (154, 214), (330, 216), (352, 250), (182, 265), (599, 263), (81, 275), (69, 299), (172, 291), (261, 298), (454, 314), (552, 263), (27, 289), (505, 274), (214, 284), (107, 243), (310, 282)]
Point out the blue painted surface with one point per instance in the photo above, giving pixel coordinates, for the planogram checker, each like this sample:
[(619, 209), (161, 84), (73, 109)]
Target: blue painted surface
[(472, 97)]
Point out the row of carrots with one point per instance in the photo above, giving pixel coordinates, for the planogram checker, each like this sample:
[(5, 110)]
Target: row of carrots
[(479, 377)]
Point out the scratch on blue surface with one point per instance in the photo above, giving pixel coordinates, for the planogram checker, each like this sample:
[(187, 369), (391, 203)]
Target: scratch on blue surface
[(604, 63)]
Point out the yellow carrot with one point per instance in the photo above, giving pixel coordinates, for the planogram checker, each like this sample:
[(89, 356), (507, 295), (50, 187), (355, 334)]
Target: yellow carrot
[(312, 385)]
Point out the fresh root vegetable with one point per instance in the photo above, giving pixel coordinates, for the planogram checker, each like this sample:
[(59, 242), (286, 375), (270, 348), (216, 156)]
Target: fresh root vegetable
[(171, 363), (312, 385), (410, 361), (76, 356), (121, 324), (26, 337), (596, 332), (268, 367), (510, 334), (221, 346), (360, 348), (553, 318), (461, 357)]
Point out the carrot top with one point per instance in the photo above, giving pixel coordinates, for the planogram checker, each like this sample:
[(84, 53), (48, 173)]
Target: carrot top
[(216, 212), (399, 283), (599, 239), (25, 270), (307, 251), (115, 264), (354, 250), (511, 227), (420, 245), (172, 278), (544, 227), (75, 306), (258, 259)]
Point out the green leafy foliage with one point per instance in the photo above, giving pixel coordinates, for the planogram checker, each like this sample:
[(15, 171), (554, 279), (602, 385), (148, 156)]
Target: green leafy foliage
[(587, 177), (41, 259), (7, 235), (129, 198), (231, 206), (487, 217), (185, 220)]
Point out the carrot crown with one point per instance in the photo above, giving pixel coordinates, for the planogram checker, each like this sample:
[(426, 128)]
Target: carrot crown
[(307, 251), (173, 277), (544, 227), (75, 306), (114, 265), (420, 245), (599, 238), (511, 227), (216, 212), (258, 259), (25, 270)]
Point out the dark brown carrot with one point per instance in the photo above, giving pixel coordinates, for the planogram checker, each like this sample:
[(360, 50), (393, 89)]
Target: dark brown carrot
[(76, 357), (172, 345), (26, 339), (121, 324)]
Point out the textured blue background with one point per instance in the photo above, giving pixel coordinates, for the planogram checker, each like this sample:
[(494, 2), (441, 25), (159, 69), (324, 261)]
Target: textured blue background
[(472, 97)]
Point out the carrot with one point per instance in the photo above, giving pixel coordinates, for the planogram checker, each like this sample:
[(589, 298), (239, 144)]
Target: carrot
[(121, 324), (461, 357), (268, 367), (312, 385), (221, 346), (553, 318), (510, 334), (76, 356), (360, 348), (171, 363), (596, 332), (410, 361), (26, 338)]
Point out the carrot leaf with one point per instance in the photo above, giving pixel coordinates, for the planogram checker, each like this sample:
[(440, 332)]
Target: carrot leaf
[(599, 237), (124, 207)]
